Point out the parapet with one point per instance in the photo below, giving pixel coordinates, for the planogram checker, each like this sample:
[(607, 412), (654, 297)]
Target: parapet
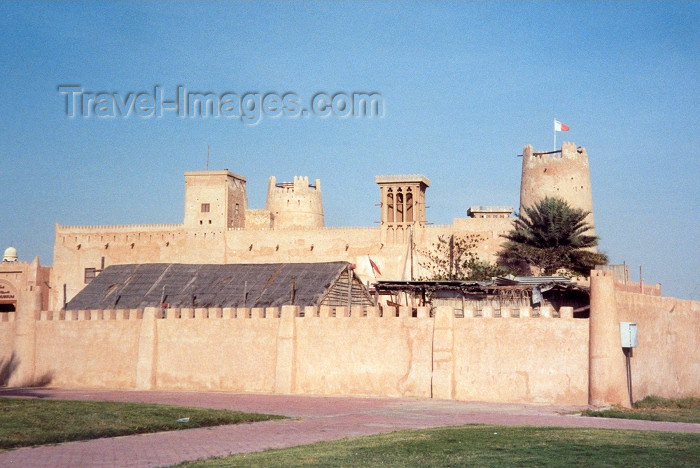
[(490, 211), (214, 174), (296, 204), (390, 179), (108, 229), (568, 150)]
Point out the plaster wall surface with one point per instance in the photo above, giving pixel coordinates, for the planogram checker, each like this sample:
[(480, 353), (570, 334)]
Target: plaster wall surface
[(7, 336), (667, 360), (92, 353), (17, 276), (639, 288), (258, 219), (233, 354), (215, 199), (385, 356), (521, 360)]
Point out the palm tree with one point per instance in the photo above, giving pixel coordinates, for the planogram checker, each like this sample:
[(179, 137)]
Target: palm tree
[(551, 236)]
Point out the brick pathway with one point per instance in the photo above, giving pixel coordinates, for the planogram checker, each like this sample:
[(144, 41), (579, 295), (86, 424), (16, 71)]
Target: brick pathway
[(319, 419)]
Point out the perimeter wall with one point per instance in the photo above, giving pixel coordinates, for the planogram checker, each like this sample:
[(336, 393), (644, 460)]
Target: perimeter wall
[(364, 351), (310, 351)]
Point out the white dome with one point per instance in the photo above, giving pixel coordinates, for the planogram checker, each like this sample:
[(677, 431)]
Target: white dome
[(10, 255)]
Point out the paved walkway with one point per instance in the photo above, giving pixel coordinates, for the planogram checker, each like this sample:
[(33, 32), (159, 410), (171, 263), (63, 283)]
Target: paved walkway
[(319, 419)]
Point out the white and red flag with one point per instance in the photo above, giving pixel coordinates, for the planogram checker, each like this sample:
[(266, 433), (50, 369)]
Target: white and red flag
[(374, 266), (560, 127)]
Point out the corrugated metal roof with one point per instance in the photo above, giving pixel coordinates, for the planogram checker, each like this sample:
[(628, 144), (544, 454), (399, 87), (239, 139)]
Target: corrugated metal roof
[(136, 286), (532, 280)]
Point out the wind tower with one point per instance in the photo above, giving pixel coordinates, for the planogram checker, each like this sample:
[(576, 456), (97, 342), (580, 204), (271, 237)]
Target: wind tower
[(402, 201)]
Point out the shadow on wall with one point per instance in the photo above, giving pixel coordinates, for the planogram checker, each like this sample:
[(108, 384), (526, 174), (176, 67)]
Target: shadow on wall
[(9, 366), (7, 369)]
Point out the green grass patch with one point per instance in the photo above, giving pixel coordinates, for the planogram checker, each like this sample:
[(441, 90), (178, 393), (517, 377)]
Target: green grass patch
[(27, 422), (485, 446), (655, 408)]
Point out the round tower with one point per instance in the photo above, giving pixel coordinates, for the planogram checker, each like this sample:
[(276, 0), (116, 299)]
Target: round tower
[(563, 174), (295, 204)]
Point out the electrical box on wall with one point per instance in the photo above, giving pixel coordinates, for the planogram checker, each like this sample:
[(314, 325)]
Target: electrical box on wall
[(628, 334)]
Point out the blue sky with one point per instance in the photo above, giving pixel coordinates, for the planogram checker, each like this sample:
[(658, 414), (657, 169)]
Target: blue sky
[(465, 87)]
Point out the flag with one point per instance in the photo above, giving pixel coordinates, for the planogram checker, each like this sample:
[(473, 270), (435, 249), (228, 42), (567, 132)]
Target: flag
[(374, 266), (560, 127)]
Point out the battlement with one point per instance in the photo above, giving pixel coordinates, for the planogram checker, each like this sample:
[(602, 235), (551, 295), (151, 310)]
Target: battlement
[(568, 151), (252, 314), (105, 229), (300, 184), (294, 205)]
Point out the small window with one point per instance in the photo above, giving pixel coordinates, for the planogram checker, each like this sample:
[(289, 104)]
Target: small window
[(237, 208), (90, 274), (205, 207)]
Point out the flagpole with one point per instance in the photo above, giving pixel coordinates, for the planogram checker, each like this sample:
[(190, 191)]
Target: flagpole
[(554, 126)]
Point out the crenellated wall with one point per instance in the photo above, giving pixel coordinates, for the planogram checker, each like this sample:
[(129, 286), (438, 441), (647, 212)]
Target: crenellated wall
[(512, 356), (295, 204), (327, 351)]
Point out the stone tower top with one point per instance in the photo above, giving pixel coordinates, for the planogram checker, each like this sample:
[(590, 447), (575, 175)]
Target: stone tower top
[(215, 199), (295, 204), (563, 174)]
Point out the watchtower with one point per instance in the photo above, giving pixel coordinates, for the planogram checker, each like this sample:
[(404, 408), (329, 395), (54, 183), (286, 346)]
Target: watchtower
[(215, 199), (563, 174), (295, 204)]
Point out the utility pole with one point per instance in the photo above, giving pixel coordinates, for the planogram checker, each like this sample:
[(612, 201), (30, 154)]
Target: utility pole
[(410, 239), (452, 256)]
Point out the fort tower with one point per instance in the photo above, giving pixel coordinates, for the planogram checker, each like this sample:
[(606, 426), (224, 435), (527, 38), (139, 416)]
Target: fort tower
[(563, 174), (295, 204), (215, 199)]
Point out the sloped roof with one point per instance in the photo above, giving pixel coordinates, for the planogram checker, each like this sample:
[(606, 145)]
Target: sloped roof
[(531, 280), (136, 286)]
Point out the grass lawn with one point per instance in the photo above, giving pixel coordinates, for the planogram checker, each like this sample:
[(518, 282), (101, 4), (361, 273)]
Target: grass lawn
[(26, 422), (485, 446), (655, 408)]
